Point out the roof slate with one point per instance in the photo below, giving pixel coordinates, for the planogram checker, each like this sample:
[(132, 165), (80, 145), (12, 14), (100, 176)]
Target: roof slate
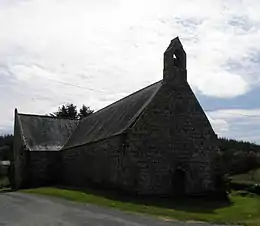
[(44, 133), (113, 119)]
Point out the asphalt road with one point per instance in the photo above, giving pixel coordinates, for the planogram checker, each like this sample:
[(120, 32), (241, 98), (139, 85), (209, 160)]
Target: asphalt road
[(26, 210)]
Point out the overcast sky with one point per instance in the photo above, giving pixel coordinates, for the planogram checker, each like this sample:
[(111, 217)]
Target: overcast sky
[(95, 52)]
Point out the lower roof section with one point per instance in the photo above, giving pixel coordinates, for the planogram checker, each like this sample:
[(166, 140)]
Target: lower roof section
[(45, 133)]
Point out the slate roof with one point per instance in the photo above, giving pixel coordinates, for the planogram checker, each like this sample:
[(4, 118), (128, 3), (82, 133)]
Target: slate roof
[(45, 133), (113, 119)]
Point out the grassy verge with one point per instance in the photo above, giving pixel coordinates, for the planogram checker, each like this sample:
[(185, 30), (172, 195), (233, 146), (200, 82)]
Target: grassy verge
[(241, 210)]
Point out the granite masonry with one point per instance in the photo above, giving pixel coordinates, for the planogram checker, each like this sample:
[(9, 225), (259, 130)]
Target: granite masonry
[(156, 141)]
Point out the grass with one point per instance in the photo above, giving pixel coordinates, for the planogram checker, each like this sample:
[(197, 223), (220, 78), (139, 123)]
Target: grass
[(252, 177), (240, 210)]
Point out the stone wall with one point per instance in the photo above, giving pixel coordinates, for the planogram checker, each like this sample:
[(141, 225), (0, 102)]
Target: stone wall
[(18, 167), (32, 168), (102, 162), (173, 132), (43, 168)]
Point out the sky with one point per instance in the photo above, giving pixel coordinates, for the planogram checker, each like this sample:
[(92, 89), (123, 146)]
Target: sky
[(96, 52)]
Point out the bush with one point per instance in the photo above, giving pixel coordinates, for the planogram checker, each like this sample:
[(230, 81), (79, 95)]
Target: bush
[(240, 185), (255, 189), (246, 186)]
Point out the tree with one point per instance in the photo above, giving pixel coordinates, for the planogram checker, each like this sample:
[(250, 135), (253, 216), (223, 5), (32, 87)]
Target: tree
[(69, 111), (72, 111), (238, 156), (84, 112), (6, 147)]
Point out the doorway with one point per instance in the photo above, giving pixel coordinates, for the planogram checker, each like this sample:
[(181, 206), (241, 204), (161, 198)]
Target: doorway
[(179, 182)]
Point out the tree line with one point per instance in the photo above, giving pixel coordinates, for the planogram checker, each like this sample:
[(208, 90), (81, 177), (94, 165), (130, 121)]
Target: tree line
[(238, 157), (6, 146)]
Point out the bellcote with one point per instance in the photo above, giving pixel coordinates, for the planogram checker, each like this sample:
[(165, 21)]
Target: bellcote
[(174, 62)]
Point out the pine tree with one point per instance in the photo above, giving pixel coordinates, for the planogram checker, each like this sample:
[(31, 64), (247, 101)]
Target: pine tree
[(84, 112)]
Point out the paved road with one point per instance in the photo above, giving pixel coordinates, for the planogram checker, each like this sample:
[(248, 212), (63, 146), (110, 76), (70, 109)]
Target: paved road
[(26, 210)]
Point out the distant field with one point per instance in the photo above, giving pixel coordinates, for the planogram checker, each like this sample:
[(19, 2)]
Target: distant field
[(252, 176)]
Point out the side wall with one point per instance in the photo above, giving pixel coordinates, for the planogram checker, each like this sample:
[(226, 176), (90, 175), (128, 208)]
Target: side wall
[(173, 132), (103, 162)]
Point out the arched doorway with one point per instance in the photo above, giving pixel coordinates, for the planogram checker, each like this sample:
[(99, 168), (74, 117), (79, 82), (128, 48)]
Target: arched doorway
[(179, 182)]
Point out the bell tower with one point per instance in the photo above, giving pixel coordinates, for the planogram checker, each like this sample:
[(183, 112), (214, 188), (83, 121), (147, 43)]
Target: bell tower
[(174, 62)]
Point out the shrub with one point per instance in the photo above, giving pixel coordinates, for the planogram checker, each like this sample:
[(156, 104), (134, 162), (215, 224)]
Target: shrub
[(254, 189), (246, 186)]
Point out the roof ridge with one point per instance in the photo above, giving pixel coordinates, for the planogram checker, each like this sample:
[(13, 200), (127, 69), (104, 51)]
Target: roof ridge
[(47, 116), (100, 110)]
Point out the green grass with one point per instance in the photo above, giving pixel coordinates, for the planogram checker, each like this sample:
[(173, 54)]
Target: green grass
[(251, 177), (241, 210)]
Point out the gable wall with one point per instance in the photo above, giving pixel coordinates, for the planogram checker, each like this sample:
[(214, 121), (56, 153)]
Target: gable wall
[(173, 131), (43, 167), (32, 168), (101, 162), (19, 167)]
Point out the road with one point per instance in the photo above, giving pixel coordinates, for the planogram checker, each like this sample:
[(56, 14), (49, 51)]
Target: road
[(27, 210)]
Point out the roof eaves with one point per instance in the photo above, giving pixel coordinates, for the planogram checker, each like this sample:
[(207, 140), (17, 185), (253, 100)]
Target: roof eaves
[(94, 141)]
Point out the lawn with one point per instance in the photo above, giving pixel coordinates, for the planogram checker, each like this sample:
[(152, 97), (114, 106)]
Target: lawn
[(240, 210)]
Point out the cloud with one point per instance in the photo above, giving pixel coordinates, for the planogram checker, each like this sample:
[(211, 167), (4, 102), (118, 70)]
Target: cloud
[(219, 125), (219, 85), (94, 52), (242, 124)]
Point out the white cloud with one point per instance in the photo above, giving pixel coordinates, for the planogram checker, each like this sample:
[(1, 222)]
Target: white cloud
[(111, 48), (234, 114), (236, 123), (221, 84), (219, 125)]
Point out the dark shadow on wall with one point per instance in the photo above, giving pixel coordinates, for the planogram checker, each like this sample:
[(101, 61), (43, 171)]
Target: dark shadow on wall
[(198, 204)]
